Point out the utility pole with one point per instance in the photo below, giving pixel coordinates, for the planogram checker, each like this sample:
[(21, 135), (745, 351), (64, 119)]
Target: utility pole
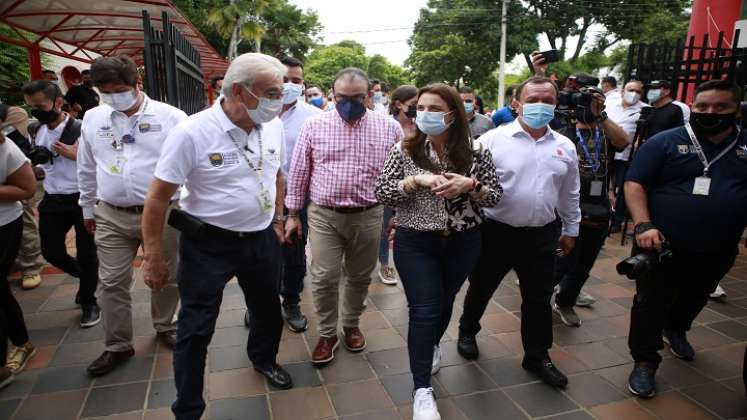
[(502, 69)]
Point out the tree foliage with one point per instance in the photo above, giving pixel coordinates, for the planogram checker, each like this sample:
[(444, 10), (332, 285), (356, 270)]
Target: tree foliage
[(14, 67), (289, 30)]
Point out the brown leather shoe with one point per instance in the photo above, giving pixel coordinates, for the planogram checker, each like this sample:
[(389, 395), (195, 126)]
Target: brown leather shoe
[(325, 350), (168, 338), (108, 361), (354, 339)]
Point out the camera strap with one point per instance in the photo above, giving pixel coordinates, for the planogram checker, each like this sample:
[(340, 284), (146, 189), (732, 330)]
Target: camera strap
[(701, 154), (594, 162)]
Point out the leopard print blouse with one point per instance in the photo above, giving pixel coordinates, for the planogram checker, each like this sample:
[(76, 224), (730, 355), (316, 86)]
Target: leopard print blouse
[(423, 210)]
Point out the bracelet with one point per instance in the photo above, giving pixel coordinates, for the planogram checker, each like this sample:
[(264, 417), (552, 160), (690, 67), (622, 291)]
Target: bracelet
[(643, 227), (279, 219), (292, 216)]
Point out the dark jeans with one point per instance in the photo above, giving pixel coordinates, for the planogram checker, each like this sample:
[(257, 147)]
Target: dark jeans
[(206, 264), (294, 264), (621, 210), (58, 213), (572, 271), (12, 326), (432, 268), (384, 241), (530, 251), (671, 297)]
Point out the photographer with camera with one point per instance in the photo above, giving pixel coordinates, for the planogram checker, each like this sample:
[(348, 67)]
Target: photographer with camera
[(57, 147), (686, 187)]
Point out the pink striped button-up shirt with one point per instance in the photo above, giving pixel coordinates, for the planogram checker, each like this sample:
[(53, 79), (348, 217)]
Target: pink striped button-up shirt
[(336, 163)]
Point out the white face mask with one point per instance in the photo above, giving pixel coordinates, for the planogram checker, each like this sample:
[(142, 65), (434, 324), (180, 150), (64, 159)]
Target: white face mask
[(631, 98), (121, 101), (266, 110), (291, 92)]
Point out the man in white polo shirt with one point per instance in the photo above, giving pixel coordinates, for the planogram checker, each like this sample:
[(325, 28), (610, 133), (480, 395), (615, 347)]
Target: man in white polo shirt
[(120, 144), (228, 158)]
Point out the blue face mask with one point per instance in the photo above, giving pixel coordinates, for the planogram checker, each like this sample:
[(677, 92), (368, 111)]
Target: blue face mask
[(538, 115), (317, 102), (469, 107), (432, 123), (653, 95), (350, 111)]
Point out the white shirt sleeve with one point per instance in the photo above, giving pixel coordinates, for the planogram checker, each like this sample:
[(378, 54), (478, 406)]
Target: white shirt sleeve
[(178, 157), (568, 200), (14, 158), (86, 171)]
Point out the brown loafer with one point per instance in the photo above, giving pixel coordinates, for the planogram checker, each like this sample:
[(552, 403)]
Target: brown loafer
[(108, 361), (325, 350), (354, 339), (168, 338)]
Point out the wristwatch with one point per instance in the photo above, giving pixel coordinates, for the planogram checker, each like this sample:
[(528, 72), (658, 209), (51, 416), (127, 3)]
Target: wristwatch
[(643, 227), (279, 219), (602, 116)]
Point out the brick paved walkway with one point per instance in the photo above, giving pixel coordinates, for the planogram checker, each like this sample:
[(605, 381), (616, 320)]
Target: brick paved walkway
[(375, 385)]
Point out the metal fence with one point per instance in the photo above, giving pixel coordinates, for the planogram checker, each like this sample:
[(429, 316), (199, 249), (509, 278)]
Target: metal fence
[(172, 67), (686, 65)]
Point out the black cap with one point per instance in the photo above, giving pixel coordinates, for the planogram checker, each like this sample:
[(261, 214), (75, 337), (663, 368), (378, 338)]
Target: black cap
[(656, 84)]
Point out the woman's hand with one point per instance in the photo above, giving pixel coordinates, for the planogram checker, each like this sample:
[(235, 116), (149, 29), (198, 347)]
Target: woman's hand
[(456, 186), (429, 180)]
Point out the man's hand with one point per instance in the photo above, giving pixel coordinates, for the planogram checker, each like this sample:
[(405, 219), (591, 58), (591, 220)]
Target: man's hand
[(390, 229), (456, 186), (90, 225), (538, 62), (293, 227), (279, 229), (566, 245), (597, 104), (650, 239), (38, 172), (155, 271), (68, 151)]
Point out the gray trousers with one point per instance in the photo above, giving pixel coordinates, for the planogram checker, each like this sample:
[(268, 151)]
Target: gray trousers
[(29, 260)]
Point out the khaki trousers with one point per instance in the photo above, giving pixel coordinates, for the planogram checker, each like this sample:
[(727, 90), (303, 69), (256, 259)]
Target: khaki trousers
[(118, 237), (29, 260), (342, 244)]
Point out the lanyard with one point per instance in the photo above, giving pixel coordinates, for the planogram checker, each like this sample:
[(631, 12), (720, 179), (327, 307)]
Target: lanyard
[(242, 151), (699, 149), (118, 144), (595, 163)]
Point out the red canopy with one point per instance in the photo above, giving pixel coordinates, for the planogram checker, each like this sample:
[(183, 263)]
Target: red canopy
[(84, 29)]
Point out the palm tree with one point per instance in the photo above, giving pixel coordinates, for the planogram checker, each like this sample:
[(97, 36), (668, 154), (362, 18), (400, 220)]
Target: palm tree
[(239, 20)]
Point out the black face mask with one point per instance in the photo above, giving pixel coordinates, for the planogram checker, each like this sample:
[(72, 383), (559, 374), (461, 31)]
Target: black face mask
[(709, 124), (45, 117), (412, 111), (350, 111)]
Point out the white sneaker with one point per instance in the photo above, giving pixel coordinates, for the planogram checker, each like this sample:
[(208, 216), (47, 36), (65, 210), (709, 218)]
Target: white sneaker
[(718, 293), (585, 300), (387, 275), (424, 405), (436, 366)]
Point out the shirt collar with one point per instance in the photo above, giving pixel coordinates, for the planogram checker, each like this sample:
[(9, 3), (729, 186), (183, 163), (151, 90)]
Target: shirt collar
[(516, 130), (225, 123), (358, 123)]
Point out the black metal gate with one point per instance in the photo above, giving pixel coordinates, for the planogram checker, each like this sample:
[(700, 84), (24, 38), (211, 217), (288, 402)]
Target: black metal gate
[(687, 65), (172, 67)]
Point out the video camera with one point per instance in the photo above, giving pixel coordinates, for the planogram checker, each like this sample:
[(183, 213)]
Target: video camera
[(639, 265), (576, 103)]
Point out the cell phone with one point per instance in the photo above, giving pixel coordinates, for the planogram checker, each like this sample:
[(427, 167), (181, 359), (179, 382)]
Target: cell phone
[(550, 56)]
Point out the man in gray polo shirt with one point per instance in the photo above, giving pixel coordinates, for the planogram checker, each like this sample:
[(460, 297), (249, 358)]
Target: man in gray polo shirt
[(478, 124)]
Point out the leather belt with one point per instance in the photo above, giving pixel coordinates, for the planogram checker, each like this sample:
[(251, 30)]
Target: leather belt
[(130, 209), (350, 210), (219, 232)]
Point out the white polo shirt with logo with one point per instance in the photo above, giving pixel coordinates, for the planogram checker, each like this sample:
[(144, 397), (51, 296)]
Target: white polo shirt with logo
[(220, 187)]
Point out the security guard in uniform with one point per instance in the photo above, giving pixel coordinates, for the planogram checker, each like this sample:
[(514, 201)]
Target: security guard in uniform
[(229, 159)]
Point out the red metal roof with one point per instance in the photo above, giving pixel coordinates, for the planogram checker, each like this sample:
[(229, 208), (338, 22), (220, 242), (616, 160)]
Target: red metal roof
[(83, 29)]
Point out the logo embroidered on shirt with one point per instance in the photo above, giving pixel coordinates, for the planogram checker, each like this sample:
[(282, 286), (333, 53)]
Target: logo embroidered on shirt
[(216, 159)]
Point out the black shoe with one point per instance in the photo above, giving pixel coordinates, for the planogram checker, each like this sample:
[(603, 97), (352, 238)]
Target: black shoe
[(546, 371), (467, 347), (641, 381), (678, 344), (296, 321), (276, 376), (247, 319), (168, 338), (108, 361), (91, 315)]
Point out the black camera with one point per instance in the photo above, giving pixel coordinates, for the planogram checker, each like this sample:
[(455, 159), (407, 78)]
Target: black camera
[(40, 155), (639, 265)]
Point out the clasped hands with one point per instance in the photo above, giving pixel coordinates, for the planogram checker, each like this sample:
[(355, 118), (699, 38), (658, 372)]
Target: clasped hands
[(447, 185)]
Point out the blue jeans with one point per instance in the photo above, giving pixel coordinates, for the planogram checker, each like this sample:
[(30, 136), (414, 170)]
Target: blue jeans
[(294, 264), (572, 271), (433, 268), (384, 241), (206, 264)]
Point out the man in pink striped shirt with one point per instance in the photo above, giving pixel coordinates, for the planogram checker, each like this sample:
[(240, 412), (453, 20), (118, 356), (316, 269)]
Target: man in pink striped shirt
[(336, 161)]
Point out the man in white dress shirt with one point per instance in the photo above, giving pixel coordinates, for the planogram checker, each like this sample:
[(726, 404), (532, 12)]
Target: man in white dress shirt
[(229, 160), (539, 172), (119, 148), (57, 140)]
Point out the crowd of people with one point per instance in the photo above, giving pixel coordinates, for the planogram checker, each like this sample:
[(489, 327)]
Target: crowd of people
[(274, 165)]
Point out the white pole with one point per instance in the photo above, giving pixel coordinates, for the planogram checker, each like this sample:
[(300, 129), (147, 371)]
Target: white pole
[(502, 69)]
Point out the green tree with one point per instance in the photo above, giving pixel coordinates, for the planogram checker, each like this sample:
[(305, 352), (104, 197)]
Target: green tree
[(197, 13), (289, 30), (14, 67), (238, 20)]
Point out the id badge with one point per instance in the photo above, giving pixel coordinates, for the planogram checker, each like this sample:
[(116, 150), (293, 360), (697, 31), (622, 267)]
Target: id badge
[(596, 188), (264, 201), (702, 185), (116, 168)]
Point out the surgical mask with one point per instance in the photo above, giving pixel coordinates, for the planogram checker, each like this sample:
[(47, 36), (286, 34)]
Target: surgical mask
[(709, 124), (350, 111), (469, 107), (631, 98), (45, 117), (121, 101), (412, 111), (317, 102), (432, 123), (377, 96), (291, 92), (266, 110), (538, 115), (653, 95)]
